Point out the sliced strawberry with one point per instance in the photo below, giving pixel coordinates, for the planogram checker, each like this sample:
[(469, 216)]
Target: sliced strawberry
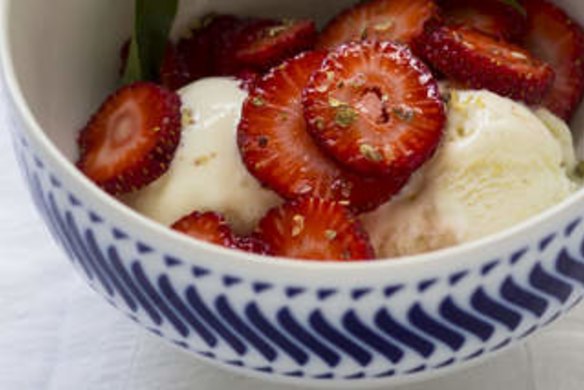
[(375, 108), (248, 79), (380, 20), (132, 139), (279, 152), (478, 60), (208, 49), (558, 40), (271, 45), (174, 73), (493, 17), (255, 245), (315, 229), (209, 227)]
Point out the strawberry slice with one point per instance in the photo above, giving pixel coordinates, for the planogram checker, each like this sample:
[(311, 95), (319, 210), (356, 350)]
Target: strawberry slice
[(255, 245), (209, 227), (493, 17), (280, 153), (132, 139), (270, 45), (558, 40), (213, 228), (375, 108), (480, 61), (315, 229), (174, 73), (381, 20)]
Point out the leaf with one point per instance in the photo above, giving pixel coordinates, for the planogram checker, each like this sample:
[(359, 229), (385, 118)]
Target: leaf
[(153, 21), (515, 4)]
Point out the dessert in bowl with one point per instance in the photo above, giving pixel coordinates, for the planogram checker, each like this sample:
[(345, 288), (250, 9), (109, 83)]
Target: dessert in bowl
[(358, 323)]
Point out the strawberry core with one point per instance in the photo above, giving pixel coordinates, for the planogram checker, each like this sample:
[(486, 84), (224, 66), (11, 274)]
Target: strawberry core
[(374, 106)]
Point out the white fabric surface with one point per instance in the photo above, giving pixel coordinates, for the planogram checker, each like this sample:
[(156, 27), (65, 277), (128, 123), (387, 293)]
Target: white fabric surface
[(57, 334)]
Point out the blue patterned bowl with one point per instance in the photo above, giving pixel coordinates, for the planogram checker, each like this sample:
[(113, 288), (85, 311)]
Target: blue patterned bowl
[(322, 324)]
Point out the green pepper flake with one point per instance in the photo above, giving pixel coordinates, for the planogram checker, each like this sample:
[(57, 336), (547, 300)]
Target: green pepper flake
[(319, 122), (406, 114), (330, 234), (258, 101), (370, 153), (298, 225), (335, 103), (382, 27), (345, 115), (364, 34), (277, 30)]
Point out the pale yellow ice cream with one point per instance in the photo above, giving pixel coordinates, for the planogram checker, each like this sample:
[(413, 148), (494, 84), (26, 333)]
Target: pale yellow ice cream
[(207, 173), (500, 163)]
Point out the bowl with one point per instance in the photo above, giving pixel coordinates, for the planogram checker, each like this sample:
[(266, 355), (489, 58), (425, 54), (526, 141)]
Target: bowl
[(339, 325)]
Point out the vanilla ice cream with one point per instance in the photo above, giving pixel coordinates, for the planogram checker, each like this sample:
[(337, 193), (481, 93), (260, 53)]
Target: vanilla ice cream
[(207, 173), (499, 164)]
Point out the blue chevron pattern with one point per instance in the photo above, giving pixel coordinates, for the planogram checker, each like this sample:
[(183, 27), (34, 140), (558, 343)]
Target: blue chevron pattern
[(243, 330)]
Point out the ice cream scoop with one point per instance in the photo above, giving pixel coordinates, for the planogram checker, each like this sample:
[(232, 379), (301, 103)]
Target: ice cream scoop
[(499, 164), (207, 173)]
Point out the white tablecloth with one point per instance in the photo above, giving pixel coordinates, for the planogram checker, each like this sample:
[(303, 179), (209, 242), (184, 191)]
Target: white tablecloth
[(57, 334)]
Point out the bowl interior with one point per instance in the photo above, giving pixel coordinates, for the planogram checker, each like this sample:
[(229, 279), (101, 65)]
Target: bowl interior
[(65, 52)]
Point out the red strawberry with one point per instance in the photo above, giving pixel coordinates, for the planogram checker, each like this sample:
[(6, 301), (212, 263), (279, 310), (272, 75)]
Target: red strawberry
[(315, 229), (375, 108), (248, 79), (253, 245), (480, 61), (209, 49), (209, 227), (493, 17), (132, 139), (279, 152), (174, 73), (558, 40), (383, 20), (270, 45)]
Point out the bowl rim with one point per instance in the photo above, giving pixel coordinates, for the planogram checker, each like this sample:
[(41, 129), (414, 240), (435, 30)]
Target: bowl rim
[(446, 259)]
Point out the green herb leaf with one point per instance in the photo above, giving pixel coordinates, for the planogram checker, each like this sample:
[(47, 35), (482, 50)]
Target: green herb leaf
[(515, 4), (153, 21)]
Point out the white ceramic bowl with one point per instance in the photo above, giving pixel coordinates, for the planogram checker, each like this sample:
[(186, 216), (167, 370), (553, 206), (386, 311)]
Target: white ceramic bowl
[(324, 324)]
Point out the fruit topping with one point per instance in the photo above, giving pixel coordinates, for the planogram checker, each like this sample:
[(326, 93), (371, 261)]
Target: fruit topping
[(213, 228), (253, 244), (278, 150), (270, 45), (558, 40), (375, 108), (381, 20), (209, 227), (132, 139), (493, 17), (174, 73), (315, 229), (479, 61)]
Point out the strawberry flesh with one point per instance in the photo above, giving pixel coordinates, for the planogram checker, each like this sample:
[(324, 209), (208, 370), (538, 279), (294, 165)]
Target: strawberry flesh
[(315, 229), (132, 139), (558, 40), (375, 108), (255, 245), (278, 150), (478, 61), (492, 17), (209, 227), (381, 20), (268, 46)]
